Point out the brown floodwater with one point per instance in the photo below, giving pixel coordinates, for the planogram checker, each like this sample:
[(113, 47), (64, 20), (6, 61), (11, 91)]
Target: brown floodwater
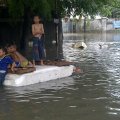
[(91, 95)]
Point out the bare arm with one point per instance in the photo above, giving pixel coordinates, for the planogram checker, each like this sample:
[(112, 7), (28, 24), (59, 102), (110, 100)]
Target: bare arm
[(39, 29), (33, 30), (42, 29), (13, 66)]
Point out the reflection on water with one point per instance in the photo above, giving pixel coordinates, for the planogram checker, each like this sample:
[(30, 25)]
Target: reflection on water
[(40, 87), (92, 95)]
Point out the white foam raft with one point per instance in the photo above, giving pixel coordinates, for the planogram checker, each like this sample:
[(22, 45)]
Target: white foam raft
[(42, 74)]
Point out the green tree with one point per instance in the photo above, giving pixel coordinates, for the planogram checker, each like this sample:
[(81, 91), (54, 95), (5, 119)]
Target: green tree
[(90, 7), (17, 8)]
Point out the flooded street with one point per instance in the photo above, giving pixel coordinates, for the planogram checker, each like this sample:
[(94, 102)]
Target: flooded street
[(91, 95)]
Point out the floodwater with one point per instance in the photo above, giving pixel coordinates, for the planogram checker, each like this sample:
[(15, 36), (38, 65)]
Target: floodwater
[(91, 95)]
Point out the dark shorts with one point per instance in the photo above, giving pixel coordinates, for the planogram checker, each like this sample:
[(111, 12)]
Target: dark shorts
[(38, 49), (2, 78)]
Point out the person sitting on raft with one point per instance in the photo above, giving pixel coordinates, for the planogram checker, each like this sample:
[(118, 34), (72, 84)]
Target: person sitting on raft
[(5, 61), (17, 57)]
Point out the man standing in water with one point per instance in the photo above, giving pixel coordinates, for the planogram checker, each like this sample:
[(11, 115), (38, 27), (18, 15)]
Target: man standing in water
[(38, 47)]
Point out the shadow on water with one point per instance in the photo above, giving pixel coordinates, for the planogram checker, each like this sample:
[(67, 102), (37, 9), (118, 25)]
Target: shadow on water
[(92, 95)]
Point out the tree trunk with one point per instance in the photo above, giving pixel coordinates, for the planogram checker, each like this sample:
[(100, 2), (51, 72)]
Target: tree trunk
[(60, 40), (25, 29)]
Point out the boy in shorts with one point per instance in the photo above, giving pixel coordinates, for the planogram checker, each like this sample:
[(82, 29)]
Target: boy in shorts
[(38, 45), (17, 57)]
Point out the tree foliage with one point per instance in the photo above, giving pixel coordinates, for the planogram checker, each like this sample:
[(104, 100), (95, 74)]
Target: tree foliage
[(90, 7), (17, 8)]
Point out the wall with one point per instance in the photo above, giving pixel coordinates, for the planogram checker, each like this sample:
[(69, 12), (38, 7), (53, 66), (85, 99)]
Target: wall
[(76, 26)]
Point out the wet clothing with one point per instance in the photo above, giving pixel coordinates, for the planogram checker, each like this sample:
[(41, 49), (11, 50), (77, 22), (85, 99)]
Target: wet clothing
[(2, 77), (4, 63), (38, 48)]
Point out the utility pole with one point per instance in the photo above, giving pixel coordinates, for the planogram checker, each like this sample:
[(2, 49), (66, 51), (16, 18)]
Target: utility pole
[(56, 21), (85, 23)]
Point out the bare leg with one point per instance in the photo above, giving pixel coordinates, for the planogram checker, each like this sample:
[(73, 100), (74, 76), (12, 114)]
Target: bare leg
[(33, 63), (30, 64), (41, 62)]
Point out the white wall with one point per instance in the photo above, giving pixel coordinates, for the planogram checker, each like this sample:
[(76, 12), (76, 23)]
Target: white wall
[(103, 24)]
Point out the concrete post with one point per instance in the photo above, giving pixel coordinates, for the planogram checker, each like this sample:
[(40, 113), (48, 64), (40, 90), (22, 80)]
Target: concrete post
[(104, 24)]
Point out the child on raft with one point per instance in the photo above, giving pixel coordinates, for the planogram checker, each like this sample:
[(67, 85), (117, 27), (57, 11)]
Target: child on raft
[(17, 57), (5, 61), (38, 45)]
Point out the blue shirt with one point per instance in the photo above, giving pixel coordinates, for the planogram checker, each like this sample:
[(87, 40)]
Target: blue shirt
[(4, 62)]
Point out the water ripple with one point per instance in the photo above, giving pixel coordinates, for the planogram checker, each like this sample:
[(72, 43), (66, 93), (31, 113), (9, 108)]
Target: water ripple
[(91, 95)]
